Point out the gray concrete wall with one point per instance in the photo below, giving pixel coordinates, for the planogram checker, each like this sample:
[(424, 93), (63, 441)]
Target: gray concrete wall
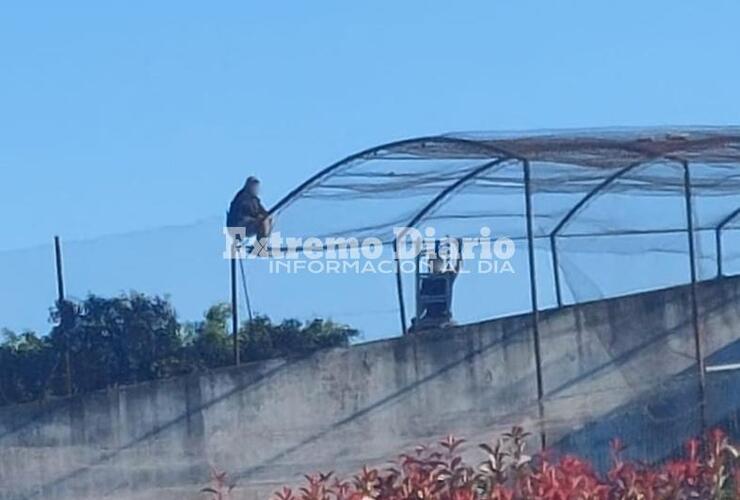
[(268, 423)]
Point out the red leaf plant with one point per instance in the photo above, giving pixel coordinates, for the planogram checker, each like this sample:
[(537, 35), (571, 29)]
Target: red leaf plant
[(709, 469), (219, 488)]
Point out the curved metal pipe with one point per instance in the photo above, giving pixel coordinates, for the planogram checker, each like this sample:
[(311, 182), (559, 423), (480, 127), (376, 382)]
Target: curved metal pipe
[(698, 341), (453, 187), (420, 215), (322, 173), (572, 212)]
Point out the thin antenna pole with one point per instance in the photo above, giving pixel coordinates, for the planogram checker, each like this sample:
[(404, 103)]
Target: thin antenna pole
[(234, 305), (62, 309)]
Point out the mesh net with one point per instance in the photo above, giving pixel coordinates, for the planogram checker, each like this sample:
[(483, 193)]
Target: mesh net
[(603, 202), (462, 178), (610, 203), (611, 206)]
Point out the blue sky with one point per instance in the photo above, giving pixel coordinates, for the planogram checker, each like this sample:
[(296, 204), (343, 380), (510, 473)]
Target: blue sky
[(123, 117)]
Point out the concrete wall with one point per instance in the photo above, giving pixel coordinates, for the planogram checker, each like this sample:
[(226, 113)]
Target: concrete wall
[(267, 423)]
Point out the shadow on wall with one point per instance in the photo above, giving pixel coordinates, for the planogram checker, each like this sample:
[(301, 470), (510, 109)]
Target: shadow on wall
[(77, 480), (269, 422), (657, 426)]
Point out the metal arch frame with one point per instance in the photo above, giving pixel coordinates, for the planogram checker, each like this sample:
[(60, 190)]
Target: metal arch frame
[(689, 214), (718, 239), (424, 211), (573, 211), (370, 151), (497, 153), (454, 186), (502, 156), (526, 171)]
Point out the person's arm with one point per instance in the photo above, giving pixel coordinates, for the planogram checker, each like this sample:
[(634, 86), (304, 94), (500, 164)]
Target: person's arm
[(255, 209), (460, 255), (261, 209), (458, 263)]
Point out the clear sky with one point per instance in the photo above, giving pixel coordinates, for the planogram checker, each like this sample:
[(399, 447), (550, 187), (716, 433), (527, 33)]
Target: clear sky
[(117, 117)]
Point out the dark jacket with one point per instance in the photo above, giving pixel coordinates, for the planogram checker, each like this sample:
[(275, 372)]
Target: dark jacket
[(245, 210)]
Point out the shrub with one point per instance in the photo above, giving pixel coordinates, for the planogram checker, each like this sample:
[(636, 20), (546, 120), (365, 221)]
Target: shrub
[(708, 470)]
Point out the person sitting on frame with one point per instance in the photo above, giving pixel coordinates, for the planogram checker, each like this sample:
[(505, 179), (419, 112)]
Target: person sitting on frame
[(246, 210)]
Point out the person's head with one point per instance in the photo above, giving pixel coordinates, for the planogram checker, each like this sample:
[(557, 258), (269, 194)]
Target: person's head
[(253, 185)]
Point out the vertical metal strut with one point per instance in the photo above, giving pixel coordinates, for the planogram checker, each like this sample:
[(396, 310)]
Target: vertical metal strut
[(694, 301), (234, 304), (441, 196), (399, 289), (718, 239), (63, 309), (556, 269), (533, 295), (572, 212)]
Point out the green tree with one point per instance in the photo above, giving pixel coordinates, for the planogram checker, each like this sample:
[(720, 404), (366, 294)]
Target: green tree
[(27, 363), (208, 343), (135, 337), (120, 340), (261, 339)]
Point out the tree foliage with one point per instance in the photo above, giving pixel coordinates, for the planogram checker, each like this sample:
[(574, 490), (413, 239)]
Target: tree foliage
[(26, 364), (135, 337)]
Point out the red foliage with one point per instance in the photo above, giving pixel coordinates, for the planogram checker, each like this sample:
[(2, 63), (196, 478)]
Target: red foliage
[(220, 488), (710, 469)]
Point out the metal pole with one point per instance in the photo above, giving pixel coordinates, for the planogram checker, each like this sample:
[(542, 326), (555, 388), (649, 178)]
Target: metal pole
[(718, 243), (417, 288), (572, 212), (59, 268), (62, 311), (694, 302), (424, 211), (399, 289), (533, 295), (718, 239), (234, 305), (245, 289), (730, 367), (556, 269)]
